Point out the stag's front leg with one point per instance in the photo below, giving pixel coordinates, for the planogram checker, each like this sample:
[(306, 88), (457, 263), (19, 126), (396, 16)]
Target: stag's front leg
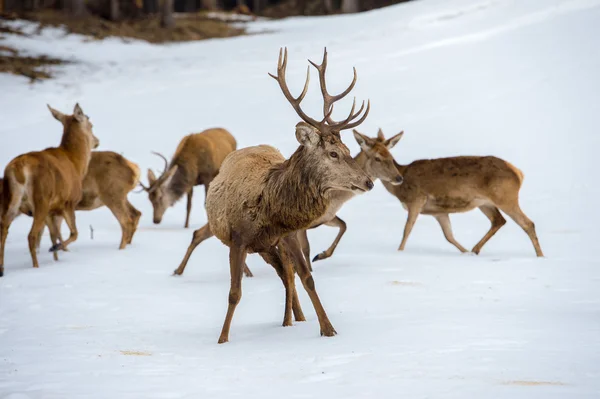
[(237, 258), (293, 247), (189, 207), (199, 235)]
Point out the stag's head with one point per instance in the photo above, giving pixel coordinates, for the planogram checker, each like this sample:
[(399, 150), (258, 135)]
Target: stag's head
[(158, 190), (322, 147), (379, 161), (78, 125)]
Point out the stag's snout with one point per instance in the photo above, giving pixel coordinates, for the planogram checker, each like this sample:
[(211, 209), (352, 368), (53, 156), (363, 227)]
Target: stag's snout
[(398, 180), (367, 185)]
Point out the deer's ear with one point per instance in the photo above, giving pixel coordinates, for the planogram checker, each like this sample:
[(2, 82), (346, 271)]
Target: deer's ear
[(78, 113), (59, 116), (307, 135), (151, 177), (380, 135), (392, 141), (363, 141)]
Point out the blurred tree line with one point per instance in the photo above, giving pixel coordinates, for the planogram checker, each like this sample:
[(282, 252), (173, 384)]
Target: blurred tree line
[(115, 10)]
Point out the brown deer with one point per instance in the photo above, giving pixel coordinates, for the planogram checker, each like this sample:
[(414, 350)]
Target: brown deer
[(376, 166), (441, 186), (109, 179), (48, 182), (259, 200), (196, 161)]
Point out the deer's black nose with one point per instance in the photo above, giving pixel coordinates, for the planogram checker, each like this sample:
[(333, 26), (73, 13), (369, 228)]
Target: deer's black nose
[(399, 179), (369, 184)]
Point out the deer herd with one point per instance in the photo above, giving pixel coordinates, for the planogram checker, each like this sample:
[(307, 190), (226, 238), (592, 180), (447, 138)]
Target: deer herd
[(256, 200)]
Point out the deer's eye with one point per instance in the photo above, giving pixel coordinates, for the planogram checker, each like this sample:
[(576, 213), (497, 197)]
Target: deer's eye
[(377, 159), (333, 154)]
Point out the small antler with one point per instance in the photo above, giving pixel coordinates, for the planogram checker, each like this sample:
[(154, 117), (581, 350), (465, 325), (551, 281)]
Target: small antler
[(164, 159), (143, 188)]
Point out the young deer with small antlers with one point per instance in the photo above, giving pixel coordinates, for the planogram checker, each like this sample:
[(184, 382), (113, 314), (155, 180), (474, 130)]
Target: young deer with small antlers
[(48, 182), (196, 161), (260, 200), (109, 179), (441, 186)]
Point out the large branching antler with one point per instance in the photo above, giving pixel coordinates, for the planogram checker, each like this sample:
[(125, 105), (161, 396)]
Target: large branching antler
[(327, 125)]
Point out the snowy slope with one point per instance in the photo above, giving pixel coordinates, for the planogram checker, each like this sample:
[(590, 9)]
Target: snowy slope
[(516, 79)]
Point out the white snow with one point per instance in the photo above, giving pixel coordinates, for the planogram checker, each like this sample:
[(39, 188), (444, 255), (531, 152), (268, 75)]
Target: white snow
[(516, 79)]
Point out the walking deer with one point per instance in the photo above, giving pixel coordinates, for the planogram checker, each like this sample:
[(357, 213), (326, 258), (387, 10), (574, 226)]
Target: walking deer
[(260, 200), (196, 161), (441, 186), (48, 182), (109, 179)]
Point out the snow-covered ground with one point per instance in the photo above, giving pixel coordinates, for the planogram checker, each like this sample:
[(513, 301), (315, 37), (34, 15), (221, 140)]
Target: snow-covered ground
[(516, 79)]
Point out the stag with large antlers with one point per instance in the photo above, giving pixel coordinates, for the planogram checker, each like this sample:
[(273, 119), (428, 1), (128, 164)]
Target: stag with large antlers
[(196, 161), (260, 200), (441, 186), (48, 182)]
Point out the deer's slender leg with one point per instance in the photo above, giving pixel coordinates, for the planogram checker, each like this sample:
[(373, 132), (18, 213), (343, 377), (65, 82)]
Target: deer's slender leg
[(11, 211), (513, 210), (413, 212), (189, 207), (237, 258), (53, 223), (285, 272), (292, 247), (69, 215), (305, 244), (39, 220), (121, 212), (335, 222), (206, 186), (444, 221), (494, 215), (199, 235), (135, 216)]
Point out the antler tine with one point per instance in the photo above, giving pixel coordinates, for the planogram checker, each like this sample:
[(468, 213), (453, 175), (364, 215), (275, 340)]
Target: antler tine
[(294, 101), (361, 120), (164, 159), (143, 188)]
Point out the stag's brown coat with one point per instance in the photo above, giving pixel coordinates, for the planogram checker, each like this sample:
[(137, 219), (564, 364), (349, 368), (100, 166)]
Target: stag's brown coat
[(196, 161), (49, 181)]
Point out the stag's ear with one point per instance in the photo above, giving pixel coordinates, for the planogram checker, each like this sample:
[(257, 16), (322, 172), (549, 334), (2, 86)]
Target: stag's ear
[(363, 141), (307, 135), (151, 177), (78, 113), (59, 116), (392, 141)]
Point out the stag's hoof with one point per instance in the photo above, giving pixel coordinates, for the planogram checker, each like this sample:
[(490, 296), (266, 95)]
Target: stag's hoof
[(222, 340), (287, 323), (176, 272), (328, 331), (320, 256)]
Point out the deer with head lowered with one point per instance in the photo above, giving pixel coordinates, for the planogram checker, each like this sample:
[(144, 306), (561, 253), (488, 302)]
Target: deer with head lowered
[(48, 182), (441, 186), (196, 161), (259, 200)]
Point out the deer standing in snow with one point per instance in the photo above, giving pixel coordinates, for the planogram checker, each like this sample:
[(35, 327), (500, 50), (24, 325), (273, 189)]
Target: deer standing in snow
[(110, 178), (441, 186), (259, 200), (48, 182), (196, 161)]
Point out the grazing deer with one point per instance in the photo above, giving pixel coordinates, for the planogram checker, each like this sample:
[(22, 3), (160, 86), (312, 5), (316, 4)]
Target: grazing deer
[(48, 182), (196, 161), (260, 200), (441, 186), (109, 179)]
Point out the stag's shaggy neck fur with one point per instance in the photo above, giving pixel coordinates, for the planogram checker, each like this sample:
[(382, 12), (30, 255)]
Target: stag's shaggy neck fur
[(185, 178), (293, 200)]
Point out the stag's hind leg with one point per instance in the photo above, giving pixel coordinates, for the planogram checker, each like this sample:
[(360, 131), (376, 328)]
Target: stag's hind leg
[(291, 245), (513, 210), (497, 220), (444, 221), (285, 271), (237, 259), (200, 235), (335, 222)]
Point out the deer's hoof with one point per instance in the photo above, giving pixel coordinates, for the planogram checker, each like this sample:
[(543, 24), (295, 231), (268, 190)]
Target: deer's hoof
[(328, 331)]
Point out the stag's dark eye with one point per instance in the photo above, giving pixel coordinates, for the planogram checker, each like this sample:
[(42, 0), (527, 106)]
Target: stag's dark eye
[(333, 154), (378, 159)]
